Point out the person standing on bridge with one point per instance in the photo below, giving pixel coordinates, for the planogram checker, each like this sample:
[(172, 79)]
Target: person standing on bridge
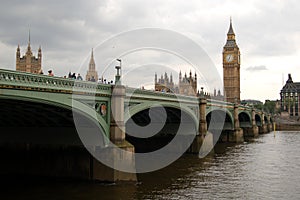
[(50, 73), (79, 77)]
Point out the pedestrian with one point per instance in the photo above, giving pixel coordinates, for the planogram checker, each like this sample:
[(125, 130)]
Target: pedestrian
[(93, 79), (70, 75), (50, 73), (73, 76), (79, 77)]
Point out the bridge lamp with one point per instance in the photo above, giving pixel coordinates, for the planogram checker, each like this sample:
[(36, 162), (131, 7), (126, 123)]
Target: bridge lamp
[(118, 76)]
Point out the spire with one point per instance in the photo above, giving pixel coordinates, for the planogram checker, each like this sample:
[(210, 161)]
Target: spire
[(92, 65), (40, 52), (230, 31), (92, 74), (92, 61), (290, 80), (230, 37), (29, 47), (29, 38)]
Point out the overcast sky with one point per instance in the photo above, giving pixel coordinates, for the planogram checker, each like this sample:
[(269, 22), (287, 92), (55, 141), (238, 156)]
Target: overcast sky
[(267, 32)]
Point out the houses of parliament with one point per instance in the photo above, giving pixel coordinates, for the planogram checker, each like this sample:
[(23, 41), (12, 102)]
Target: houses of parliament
[(187, 84), (28, 62)]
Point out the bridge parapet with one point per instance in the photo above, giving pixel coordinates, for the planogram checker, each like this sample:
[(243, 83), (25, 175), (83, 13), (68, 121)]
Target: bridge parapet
[(148, 94), (223, 104), (28, 81)]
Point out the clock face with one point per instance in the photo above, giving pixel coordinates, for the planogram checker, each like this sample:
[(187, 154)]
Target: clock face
[(229, 58)]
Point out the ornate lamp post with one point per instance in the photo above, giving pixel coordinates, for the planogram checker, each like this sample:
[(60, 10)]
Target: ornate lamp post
[(118, 75)]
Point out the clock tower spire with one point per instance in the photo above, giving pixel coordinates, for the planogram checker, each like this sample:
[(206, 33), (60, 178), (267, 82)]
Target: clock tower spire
[(231, 67)]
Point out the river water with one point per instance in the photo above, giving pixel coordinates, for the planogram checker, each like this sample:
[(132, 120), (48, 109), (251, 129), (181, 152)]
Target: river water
[(267, 167)]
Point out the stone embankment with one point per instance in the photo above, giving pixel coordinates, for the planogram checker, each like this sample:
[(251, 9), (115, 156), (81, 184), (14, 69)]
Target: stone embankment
[(287, 124)]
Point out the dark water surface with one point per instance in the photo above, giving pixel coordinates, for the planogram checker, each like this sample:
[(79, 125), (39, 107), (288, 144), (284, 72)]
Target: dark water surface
[(266, 168)]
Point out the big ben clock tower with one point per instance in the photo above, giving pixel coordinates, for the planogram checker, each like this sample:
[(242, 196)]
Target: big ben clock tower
[(231, 68)]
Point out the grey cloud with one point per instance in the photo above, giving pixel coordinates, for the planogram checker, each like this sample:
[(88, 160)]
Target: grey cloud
[(256, 68), (67, 30)]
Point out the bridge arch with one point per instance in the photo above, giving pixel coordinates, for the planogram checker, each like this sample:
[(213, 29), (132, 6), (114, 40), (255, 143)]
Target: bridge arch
[(245, 119), (266, 119), (258, 120), (150, 127), (56, 106), (134, 109), (271, 120), (218, 115)]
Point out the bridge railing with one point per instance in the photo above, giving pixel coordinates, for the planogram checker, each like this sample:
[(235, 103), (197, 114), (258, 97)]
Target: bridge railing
[(213, 102), (150, 94), (28, 81)]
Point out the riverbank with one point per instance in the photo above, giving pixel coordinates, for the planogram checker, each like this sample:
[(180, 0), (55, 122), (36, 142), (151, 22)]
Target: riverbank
[(287, 124)]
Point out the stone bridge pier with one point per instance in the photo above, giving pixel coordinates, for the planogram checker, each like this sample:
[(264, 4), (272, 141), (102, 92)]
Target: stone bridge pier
[(203, 142), (270, 123), (237, 134), (119, 151), (264, 124), (252, 131)]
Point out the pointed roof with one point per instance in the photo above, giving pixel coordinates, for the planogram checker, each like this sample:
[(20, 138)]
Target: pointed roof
[(29, 37), (289, 86), (230, 31), (230, 37), (29, 47), (92, 61)]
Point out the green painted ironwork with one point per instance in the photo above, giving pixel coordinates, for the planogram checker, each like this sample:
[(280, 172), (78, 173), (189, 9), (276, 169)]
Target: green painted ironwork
[(84, 96)]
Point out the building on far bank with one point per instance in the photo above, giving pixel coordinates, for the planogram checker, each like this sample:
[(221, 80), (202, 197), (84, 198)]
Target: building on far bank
[(28, 62), (289, 97), (187, 85)]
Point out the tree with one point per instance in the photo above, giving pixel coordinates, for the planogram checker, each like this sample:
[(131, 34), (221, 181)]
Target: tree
[(270, 106)]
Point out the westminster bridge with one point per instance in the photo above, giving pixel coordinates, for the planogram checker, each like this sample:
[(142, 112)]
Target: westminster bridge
[(58, 116)]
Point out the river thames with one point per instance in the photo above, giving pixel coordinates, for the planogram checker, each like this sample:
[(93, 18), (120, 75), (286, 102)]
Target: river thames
[(267, 167)]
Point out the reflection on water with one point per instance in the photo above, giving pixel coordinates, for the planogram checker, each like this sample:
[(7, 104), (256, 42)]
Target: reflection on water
[(265, 168)]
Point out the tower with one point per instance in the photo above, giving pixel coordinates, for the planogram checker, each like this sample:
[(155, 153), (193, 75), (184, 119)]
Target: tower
[(92, 74), (188, 84), (231, 67), (28, 62)]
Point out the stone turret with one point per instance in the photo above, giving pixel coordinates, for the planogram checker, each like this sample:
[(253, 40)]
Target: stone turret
[(28, 62)]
